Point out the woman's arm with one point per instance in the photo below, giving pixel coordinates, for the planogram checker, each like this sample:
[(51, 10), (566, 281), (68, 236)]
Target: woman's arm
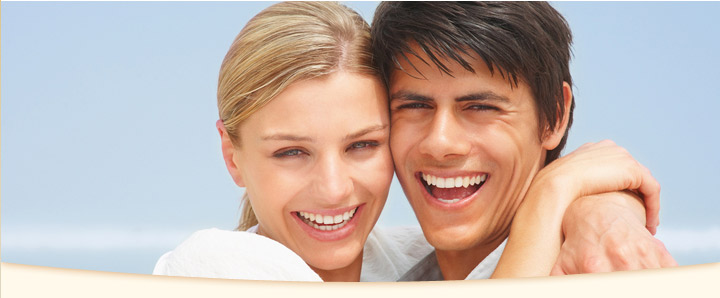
[(594, 168)]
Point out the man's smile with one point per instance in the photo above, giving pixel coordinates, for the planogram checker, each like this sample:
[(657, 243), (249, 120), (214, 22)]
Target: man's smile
[(450, 190)]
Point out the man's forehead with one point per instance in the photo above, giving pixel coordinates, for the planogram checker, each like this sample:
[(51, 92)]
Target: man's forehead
[(417, 64), (427, 79)]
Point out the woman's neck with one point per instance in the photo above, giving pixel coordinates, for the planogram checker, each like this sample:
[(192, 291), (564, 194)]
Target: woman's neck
[(350, 273)]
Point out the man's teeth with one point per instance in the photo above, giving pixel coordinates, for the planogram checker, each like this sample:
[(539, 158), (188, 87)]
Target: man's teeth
[(448, 201), (452, 182), (326, 222)]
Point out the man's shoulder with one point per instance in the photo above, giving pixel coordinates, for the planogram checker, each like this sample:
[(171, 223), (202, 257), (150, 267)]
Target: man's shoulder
[(391, 251)]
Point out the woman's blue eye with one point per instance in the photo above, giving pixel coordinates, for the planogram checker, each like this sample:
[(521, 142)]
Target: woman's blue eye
[(291, 152), (361, 145)]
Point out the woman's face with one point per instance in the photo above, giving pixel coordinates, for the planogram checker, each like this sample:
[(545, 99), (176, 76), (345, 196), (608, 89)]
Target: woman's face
[(316, 165)]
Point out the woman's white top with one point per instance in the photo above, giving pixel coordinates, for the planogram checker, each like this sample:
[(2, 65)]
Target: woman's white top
[(387, 255)]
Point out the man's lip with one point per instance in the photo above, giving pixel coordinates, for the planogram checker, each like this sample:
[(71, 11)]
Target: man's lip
[(462, 202), (453, 174)]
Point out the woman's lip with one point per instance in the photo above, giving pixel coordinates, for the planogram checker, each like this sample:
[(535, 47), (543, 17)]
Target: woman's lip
[(330, 212), (332, 235), (462, 203)]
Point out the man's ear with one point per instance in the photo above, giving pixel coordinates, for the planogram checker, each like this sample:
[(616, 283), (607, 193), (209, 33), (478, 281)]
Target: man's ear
[(555, 134), (228, 152)]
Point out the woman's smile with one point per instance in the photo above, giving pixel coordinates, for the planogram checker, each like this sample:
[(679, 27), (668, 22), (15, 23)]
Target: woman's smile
[(329, 225)]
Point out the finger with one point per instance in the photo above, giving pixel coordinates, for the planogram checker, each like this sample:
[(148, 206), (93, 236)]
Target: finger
[(623, 256), (648, 258), (557, 270), (666, 260), (649, 187), (652, 230), (652, 204), (655, 255), (595, 265)]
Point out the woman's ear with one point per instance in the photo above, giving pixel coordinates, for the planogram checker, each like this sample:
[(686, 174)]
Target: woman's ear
[(555, 134), (229, 152)]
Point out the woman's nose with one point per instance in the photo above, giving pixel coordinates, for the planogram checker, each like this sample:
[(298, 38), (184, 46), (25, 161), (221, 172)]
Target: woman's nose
[(334, 184)]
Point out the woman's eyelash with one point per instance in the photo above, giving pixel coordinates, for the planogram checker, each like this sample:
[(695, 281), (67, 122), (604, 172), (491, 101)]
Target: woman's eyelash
[(363, 144), (288, 153)]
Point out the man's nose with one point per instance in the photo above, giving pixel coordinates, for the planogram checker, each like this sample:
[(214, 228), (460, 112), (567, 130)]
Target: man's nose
[(445, 137)]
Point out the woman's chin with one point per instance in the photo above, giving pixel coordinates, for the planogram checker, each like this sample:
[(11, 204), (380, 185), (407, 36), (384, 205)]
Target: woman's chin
[(327, 260)]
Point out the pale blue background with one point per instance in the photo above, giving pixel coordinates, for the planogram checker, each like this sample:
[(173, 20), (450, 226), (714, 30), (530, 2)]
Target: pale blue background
[(110, 155)]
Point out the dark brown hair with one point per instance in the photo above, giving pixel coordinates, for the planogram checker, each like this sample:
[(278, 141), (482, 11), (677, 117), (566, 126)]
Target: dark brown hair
[(523, 41)]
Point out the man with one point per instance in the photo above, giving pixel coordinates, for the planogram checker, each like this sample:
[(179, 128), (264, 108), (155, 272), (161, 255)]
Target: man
[(481, 102)]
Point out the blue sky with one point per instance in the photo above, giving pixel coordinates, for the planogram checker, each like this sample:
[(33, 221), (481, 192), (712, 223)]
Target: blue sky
[(110, 155)]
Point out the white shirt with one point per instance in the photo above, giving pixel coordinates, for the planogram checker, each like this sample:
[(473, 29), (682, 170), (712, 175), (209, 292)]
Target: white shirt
[(428, 269), (387, 255), (234, 255)]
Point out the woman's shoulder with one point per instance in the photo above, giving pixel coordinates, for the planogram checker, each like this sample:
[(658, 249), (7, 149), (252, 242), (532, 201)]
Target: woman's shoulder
[(219, 253)]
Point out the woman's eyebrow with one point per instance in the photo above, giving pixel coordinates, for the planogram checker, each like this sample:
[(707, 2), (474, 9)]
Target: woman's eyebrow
[(365, 131), (297, 138), (286, 137)]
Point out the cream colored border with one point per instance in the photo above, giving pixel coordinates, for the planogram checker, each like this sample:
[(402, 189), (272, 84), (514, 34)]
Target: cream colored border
[(18, 280), (35, 281)]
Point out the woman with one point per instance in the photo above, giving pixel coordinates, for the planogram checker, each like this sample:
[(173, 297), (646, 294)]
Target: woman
[(304, 128)]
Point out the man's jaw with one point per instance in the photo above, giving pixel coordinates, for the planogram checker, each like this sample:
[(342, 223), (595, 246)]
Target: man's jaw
[(451, 189)]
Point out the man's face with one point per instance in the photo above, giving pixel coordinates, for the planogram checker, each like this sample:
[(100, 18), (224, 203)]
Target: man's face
[(465, 150)]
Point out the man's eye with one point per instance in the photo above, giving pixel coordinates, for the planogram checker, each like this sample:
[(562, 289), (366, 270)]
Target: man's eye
[(414, 105), (362, 145), (287, 153), (482, 108)]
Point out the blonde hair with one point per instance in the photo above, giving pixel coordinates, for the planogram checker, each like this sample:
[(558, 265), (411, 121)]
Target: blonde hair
[(285, 43)]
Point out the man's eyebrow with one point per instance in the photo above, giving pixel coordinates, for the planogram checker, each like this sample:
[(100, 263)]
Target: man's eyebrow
[(365, 131), (286, 137), (408, 95), (487, 95)]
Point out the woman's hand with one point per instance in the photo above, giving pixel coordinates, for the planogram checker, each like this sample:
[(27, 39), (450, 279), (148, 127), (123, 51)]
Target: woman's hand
[(594, 168), (602, 167), (606, 233)]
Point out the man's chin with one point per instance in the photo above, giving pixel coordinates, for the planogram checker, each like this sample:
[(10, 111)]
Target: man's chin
[(451, 237)]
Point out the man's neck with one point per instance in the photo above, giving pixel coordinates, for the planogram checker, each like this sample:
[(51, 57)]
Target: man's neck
[(457, 264)]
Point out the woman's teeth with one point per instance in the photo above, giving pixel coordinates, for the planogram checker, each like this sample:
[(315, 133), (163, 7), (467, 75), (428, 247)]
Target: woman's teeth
[(452, 182), (326, 222)]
